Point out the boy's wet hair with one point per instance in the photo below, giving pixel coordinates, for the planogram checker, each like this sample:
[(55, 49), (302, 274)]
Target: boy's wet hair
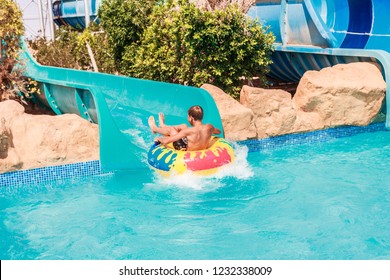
[(196, 112)]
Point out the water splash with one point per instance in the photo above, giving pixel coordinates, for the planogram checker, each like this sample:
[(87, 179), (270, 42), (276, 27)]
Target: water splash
[(240, 168), (139, 134), (138, 138)]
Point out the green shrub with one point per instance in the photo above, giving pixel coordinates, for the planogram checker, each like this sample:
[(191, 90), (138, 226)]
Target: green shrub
[(11, 27), (102, 51), (70, 46), (59, 53), (186, 45), (124, 22), (12, 83)]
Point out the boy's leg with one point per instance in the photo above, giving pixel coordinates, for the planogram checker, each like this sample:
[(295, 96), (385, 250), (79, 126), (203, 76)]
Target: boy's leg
[(161, 120), (165, 130)]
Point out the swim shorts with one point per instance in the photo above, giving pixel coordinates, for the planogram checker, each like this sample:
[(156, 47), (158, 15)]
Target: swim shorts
[(181, 144)]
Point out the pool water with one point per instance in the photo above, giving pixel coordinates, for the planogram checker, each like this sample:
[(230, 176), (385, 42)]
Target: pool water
[(325, 200)]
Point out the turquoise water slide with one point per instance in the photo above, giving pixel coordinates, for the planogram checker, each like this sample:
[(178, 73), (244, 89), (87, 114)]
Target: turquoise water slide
[(120, 105)]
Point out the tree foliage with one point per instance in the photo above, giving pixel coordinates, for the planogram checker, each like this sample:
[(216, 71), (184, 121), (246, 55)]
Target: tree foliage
[(12, 83), (180, 42), (71, 46), (59, 53), (11, 27), (125, 21), (96, 38), (187, 45)]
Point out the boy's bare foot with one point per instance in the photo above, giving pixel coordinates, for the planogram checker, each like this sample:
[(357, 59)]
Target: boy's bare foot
[(152, 124), (161, 119)]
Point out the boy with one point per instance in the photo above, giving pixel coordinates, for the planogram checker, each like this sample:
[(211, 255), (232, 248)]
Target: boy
[(183, 137)]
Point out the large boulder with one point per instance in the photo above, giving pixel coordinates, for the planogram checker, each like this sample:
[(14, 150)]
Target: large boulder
[(345, 94), (273, 109), (237, 120), (30, 141)]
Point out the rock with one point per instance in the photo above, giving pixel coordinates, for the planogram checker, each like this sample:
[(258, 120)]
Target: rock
[(41, 140), (273, 110), (308, 121), (237, 120), (9, 159), (4, 139), (345, 94)]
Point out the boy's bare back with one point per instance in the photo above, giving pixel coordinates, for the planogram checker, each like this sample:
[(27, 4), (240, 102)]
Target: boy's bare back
[(199, 137)]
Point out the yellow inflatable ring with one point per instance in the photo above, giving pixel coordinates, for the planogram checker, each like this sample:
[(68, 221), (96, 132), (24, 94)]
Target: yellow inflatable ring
[(167, 160)]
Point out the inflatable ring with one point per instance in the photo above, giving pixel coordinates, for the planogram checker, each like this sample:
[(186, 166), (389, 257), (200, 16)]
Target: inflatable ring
[(166, 160)]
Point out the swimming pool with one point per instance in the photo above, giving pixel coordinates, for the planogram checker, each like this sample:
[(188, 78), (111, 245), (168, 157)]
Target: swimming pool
[(318, 200)]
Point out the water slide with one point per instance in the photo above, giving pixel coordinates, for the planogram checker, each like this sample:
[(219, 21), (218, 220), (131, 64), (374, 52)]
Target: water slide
[(72, 12), (120, 105), (313, 34)]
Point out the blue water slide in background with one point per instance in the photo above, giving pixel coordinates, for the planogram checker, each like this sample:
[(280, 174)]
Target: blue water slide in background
[(72, 12), (313, 34), (120, 105), (357, 24)]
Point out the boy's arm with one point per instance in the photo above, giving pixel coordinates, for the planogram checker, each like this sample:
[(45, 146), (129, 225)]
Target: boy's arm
[(169, 139), (214, 130)]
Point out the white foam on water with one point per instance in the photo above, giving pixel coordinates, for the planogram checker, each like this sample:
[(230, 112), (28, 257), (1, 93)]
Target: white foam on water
[(139, 134), (138, 138), (239, 169)]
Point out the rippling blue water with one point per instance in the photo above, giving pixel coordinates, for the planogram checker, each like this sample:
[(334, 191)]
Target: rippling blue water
[(328, 200)]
